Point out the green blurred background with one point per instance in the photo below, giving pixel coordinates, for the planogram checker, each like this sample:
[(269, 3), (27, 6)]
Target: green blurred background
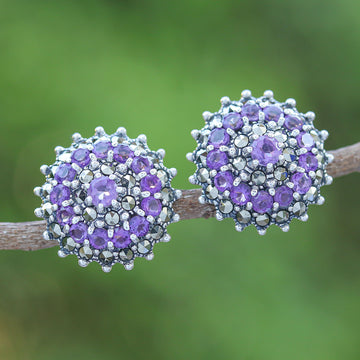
[(154, 66)]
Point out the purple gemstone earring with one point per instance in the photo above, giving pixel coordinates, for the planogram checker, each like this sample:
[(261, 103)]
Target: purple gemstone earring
[(260, 161), (107, 199)]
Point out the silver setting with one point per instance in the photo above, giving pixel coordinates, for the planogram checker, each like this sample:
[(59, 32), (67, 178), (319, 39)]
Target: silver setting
[(99, 216), (293, 142)]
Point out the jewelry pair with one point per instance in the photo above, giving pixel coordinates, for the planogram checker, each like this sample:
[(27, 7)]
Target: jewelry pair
[(109, 198)]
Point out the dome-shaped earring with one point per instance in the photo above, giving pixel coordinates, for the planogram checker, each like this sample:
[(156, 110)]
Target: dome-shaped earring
[(107, 199), (260, 161)]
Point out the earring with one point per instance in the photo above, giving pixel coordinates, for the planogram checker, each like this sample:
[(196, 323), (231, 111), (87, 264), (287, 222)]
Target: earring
[(260, 161), (107, 199)]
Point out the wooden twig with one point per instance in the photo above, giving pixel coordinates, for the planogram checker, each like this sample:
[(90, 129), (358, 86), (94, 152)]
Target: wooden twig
[(28, 235)]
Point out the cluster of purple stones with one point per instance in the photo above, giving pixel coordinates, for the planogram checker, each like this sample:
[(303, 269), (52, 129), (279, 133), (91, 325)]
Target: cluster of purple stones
[(260, 161), (108, 199)]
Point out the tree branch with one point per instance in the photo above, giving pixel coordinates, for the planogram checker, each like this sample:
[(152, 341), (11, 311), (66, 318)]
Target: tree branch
[(28, 235)]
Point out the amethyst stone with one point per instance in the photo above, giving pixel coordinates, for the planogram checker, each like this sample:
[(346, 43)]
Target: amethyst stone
[(293, 122), (64, 215), (99, 239), (122, 153), (272, 113), (151, 206), (262, 202), (59, 194), (308, 161), (121, 238), (251, 111), (302, 183), (216, 159), (283, 196), (101, 149), (224, 181), (150, 183), (305, 140), (240, 194), (78, 232), (139, 226), (81, 157), (65, 172), (103, 191), (140, 164), (233, 121), (219, 137), (266, 150)]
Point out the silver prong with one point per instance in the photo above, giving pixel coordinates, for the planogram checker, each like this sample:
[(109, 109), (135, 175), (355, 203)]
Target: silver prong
[(37, 191), (268, 94), (324, 134), (99, 131), (320, 200), (195, 133), (142, 138), (290, 102), (330, 157), (149, 257), (190, 156), (246, 94), (39, 212), (329, 179), (129, 266), (121, 131), (76, 137), (310, 115), (44, 169), (59, 150), (207, 115), (173, 172), (161, 153), (106, 269), (83, 263), (262, 231), (62, 254), (225, 100)]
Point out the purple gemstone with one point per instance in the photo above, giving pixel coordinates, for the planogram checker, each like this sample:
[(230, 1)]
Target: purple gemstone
[(301, 183), (251, 111), (150, 183), (216, 159), (122, 153), (233, 121), (219, 137), (121, 238), (103, 191), (266, 150), (99, 239), (65, 172), (78, 232), (139, 226), (293, 122), (262, 202), (241, 194), (64, 215), (81, 157), (305, 140), (308, 161), (272, 113), (59, 194), (140, 164), (223, 181), (101, 149), (283, 196), (151, 206)]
